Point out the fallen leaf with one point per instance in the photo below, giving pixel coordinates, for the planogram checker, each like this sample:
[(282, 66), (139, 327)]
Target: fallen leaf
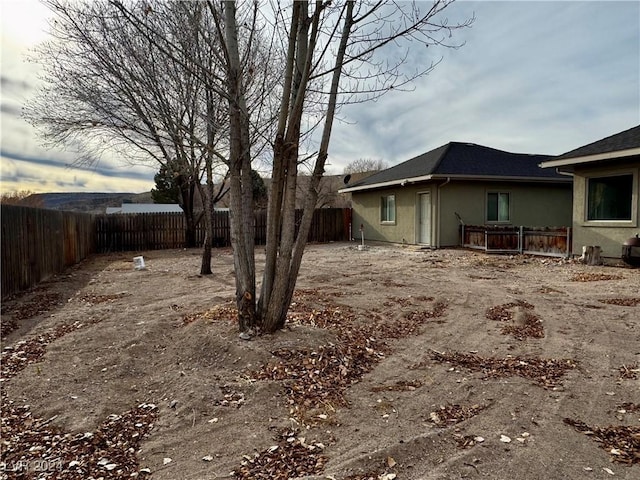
[(505, 439), (608, 470), (391, 462), (166, 460)]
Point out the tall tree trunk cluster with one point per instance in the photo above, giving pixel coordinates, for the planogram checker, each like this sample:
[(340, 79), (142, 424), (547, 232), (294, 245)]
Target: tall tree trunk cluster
[(285, 239)]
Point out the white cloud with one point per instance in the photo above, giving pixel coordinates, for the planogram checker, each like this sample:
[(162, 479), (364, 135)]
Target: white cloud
[(533, 77)]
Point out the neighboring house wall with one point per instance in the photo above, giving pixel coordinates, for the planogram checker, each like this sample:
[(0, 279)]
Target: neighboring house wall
[(530, 204), (611, 234)]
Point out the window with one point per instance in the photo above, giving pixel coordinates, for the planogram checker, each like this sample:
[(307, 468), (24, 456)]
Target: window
[(609, 198), (497, 207), (388, 209)]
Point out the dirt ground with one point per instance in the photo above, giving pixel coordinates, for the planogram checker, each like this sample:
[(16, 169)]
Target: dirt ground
[(397, 362)]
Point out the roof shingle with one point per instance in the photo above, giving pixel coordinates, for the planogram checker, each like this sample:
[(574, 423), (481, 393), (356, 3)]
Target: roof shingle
[(465, 160)]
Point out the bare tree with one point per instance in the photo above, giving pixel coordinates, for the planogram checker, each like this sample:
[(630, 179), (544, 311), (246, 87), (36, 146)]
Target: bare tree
[(366, 165), (109, 88), (335, 50), (25, 198), (330, 54), (333, 54)]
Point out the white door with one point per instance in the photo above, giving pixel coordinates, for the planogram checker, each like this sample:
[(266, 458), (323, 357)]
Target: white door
[(424, 227)]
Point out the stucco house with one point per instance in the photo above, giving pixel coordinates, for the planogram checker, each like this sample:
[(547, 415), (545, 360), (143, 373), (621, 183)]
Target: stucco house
[(606, 191), (425, 199)]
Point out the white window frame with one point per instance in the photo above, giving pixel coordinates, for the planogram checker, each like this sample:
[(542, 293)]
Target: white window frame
[(385, 209), (486, 212)]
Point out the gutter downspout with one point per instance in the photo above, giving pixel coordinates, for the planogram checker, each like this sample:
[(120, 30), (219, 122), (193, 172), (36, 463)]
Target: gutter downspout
[(439, 222)]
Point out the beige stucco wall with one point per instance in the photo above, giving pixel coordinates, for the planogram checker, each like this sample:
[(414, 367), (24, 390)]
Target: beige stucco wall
[(608, 235), (366, 212), (532, 205)]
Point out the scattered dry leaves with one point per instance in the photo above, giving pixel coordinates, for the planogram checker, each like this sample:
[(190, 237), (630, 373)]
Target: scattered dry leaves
[(629, 372), (231, 398), (529, 325), (33, 448), (620, 441), (399, 386), (629, 407), (448, 415), (25, 352), (623, 302), (93, 299), (219, 313), (39, 304), (291, 457), (545, 372), (594, 277), (316, 379), (502, 313)]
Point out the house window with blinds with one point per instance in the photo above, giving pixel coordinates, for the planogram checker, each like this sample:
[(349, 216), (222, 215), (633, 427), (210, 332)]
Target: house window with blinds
[(498, 207)]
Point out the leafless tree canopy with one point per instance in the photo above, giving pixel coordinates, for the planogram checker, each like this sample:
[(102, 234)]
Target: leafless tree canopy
[(366, 165), (282, 70)]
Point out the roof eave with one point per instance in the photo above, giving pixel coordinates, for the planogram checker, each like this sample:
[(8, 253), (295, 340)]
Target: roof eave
[(405, 181), (564, 162), (390, 183)]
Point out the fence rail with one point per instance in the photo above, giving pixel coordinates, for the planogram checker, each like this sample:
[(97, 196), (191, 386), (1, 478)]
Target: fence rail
[(548, 241), (38, 243)]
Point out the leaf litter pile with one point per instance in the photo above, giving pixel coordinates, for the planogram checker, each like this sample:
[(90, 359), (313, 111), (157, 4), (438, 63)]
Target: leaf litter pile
[(524, 324), (594, 277), (32, 445), (545, 372), (38, 305), (290, 457), (622, 302), (316, 380), (622, 442), (449, 415)]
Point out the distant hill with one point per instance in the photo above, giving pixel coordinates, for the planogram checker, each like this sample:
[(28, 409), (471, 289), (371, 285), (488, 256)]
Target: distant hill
[(98, 202), (89, 202)]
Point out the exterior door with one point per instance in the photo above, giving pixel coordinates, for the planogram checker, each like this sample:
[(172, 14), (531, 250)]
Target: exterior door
[(424, 224)]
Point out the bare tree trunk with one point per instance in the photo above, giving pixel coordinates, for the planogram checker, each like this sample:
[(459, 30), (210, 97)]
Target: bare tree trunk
[(274, 208), (292, 248), (241, 212), (207, 198)]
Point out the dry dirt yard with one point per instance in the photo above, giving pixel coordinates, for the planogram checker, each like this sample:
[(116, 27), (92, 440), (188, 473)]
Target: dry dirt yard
[(396, 362)]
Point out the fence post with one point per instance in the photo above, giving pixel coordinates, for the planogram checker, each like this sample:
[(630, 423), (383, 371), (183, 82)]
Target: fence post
[(521, 240), (568, 249)]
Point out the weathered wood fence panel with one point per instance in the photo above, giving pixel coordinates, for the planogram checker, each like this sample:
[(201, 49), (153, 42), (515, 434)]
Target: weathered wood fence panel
[(156, 231), (38, 243), (549, 241)]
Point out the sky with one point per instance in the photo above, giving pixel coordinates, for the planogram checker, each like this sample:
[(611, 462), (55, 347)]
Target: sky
[(533, 77)]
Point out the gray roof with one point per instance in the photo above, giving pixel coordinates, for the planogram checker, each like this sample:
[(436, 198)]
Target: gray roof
[(145, 208), (620, 141), (465, 160)]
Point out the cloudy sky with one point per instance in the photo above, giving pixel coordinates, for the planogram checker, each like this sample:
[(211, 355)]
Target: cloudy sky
[(533, 77)]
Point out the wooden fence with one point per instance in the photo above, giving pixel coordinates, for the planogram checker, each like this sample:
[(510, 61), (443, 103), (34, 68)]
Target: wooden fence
[(156, 231), (549, 241), (38, 243)]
